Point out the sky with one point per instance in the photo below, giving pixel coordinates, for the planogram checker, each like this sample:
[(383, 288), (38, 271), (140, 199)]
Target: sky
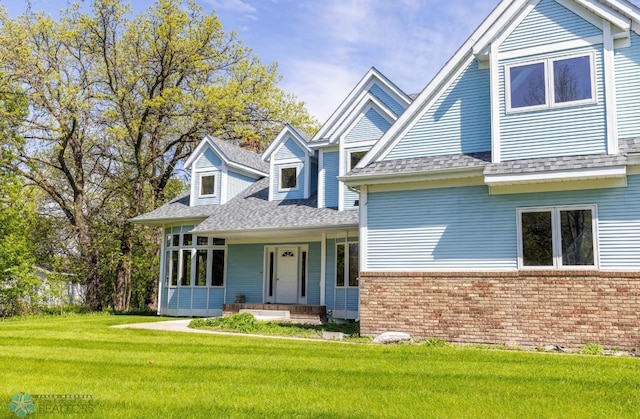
[(324, 47)]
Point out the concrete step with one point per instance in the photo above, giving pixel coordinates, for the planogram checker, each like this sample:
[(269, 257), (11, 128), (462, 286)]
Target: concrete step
[(268, 314)]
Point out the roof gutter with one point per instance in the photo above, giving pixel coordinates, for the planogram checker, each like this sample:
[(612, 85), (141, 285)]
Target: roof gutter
[(402, 177)]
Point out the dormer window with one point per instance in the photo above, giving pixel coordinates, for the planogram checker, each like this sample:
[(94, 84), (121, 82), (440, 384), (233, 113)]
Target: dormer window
[(207, 185), (288, 178), (549, 83)]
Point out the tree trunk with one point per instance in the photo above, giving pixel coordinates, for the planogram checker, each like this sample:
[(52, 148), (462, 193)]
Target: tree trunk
[(122, 292)]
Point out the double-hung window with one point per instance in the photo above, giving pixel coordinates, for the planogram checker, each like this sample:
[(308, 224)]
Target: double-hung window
[(550, 82), (557, 237)]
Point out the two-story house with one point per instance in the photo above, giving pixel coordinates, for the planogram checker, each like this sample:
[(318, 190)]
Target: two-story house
[(504, 204), (277, 230)]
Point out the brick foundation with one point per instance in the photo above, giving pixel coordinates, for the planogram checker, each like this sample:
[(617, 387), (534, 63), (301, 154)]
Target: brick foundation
[(513, 308)]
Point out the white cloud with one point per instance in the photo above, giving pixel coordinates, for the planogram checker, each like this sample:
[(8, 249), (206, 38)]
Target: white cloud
[(322, 86), (236, 6)]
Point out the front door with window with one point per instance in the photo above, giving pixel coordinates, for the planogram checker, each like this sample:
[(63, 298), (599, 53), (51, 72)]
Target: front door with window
[(286, 286)]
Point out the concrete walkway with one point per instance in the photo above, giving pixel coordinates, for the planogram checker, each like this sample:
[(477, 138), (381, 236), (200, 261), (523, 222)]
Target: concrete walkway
[(182, 325)]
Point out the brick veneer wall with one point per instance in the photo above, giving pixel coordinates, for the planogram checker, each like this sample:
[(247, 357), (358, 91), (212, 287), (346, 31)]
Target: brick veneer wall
[(513, 308)]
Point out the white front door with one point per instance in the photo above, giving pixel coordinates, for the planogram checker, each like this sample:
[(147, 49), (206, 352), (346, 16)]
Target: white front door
[(287, 275)]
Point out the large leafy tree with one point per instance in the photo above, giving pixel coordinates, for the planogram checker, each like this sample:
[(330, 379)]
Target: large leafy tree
[(116, 102)]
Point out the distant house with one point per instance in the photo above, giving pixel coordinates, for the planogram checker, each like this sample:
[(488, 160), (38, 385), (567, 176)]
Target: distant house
[(502, 205)]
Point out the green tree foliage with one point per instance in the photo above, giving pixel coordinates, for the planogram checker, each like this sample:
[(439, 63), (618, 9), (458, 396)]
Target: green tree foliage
[(116, 103)]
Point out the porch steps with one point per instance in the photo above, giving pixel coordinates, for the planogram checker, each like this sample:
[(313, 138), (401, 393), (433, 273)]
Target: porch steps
[(296, 313), (268, 314)]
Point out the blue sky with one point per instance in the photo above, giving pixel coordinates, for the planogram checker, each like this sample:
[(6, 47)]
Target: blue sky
[(323, 47)]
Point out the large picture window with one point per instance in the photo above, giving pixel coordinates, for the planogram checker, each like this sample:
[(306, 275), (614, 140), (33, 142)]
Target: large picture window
[(551, 82), (557, 237), (347, 265), (194, 261)]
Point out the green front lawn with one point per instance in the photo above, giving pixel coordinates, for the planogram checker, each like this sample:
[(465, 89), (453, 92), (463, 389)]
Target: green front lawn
[(141, 373)]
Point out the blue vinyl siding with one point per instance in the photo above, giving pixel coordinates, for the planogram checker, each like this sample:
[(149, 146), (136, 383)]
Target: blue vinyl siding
[(561, 131), (216, 297), (331, 162), (237, 183), (208, 159), (200, 298), (394, 105), (290, 150), (627, 62), (207, 200), (244, 272), (370, 127), (184, 297), (548, 22), (297, 193), (466, 228), (313, 270), (172, 297), (459, 121)]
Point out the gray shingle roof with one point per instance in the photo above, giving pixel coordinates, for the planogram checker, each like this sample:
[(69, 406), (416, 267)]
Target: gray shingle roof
[(554, 164), (629, 145), (241, 156), (424, 164), (253, 210), (177, 209)]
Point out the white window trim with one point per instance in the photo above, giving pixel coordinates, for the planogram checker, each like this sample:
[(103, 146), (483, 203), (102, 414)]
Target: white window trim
[(550, 102), (193, 248), (346, 265), (215, 184), (556, 237), (350, 151), (289, 166)]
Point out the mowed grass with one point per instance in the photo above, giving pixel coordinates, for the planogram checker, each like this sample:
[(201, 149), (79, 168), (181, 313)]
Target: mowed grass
[(141, 373)]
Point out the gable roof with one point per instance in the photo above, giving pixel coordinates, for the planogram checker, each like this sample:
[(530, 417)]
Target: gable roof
[(233, 155), (355, 100), (618, 12), (300, 136)]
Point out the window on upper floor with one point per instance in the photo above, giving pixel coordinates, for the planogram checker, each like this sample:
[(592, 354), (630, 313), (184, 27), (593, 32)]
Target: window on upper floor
[(557, 237), (552, 82), (288, 178), (207, 185), (354, 158)]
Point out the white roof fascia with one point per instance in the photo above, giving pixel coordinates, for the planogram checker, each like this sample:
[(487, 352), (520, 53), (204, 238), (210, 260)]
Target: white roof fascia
[(627, 8), (564, 175), (403, 177), (278, 142), (247, 170), (198, 150), (368, 102), (511, 13), (607, 13), (434, 85), (372, 76)]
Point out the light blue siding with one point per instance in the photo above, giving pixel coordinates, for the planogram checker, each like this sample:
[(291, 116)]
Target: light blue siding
[(290, 150), (331, 163), (172, 296), (245, 272), (459, 121), (208, 159), (184, 298), (627, 62), (370, 127), (466, 228), (200, 298), (297, 193), (549, 22), (237, 183), (562, 131), (216, 297), (385, 98), (214, 200)]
